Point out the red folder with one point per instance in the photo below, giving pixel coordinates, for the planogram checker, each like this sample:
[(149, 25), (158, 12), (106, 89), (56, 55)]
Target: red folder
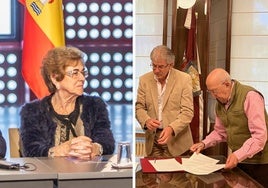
[(148, 168)]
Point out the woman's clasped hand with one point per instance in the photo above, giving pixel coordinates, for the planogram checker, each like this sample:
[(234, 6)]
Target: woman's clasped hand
[(82, 147)]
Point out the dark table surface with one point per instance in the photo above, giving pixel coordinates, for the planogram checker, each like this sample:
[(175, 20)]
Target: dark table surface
[(220, 179)]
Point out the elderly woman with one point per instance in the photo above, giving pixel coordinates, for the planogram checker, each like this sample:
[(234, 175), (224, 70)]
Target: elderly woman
[(68, 122)]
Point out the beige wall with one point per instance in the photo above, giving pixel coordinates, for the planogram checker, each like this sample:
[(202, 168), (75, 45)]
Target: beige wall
[(148, 28), (249, 46), (249, 51), (148, 32)]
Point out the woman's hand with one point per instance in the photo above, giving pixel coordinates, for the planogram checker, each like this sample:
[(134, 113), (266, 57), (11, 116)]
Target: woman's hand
[(81, 147)]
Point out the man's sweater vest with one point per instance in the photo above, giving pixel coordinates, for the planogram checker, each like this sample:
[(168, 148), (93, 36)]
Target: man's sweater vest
[(236, 122)]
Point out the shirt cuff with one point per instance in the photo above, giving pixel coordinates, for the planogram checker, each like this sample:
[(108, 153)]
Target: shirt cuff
[(99, 147), (51, 152)]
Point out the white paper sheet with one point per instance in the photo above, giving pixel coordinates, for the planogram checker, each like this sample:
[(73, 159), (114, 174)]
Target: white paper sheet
[(200, 159), (198, 164), (203, 169)]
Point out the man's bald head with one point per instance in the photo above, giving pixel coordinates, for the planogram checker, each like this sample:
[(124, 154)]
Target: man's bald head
[(216, 77)]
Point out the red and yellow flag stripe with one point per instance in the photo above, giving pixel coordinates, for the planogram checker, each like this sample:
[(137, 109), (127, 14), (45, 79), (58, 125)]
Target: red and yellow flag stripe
[(43, 30)]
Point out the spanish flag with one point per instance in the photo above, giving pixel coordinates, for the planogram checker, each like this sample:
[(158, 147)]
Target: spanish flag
[(43, 30)]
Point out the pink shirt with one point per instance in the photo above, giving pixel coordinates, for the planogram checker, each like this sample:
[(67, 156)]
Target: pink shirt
[(254, 109)]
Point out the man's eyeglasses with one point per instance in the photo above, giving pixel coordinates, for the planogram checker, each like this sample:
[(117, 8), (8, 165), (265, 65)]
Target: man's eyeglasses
[(160, 67), (75, 73)]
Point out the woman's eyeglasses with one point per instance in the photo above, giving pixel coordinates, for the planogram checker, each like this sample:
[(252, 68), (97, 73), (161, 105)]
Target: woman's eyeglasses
[(75, 73)]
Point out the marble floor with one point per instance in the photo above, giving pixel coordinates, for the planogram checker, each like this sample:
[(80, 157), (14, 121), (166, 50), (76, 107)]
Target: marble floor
[(120, 115)]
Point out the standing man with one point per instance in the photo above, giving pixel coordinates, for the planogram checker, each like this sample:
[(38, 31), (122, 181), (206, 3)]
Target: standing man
[(164, 106), (241, 121)]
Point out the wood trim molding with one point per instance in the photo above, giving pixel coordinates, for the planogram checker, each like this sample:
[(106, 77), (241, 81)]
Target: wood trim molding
[(174, 22), (228, 33), (165, 22)]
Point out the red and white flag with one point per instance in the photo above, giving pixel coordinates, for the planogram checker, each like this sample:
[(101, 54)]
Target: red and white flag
[(43, 30), (191, 65)]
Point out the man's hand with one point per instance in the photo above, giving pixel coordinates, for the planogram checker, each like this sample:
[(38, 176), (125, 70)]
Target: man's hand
[(198, 147), (152, 124), (231, 161), (165, 135)]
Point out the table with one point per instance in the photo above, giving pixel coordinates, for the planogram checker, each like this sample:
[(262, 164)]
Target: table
[(64, 172), (226, 179), (94, 174), (42, 177)]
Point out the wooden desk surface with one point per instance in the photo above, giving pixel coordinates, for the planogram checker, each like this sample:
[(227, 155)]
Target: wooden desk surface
[(226, 179)]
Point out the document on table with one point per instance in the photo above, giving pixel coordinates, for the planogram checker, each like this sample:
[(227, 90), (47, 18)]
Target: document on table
[(198, 164), (167, 165)]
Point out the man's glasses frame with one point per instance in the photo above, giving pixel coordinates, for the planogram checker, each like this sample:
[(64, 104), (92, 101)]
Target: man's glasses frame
[(160, 67)]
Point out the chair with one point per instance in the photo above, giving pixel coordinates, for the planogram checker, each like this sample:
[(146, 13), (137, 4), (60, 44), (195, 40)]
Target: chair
[(140, 145), (14, 140)]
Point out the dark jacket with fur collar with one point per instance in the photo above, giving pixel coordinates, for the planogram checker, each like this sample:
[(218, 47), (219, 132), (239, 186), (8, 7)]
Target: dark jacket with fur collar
[(37, 129), (3, 146)]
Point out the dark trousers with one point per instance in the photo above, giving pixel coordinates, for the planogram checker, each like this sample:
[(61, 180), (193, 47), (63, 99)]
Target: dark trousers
[(257, 171)]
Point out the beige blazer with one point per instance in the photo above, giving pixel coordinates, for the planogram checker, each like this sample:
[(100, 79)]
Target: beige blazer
[(177, 109)]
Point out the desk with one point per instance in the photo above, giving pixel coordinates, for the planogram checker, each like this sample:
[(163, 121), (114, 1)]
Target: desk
[(93, 174), (220, 179), (42, 177), (66, 173)]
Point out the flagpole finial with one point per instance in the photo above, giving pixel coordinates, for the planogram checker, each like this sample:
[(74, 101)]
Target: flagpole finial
[(185, 4)]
